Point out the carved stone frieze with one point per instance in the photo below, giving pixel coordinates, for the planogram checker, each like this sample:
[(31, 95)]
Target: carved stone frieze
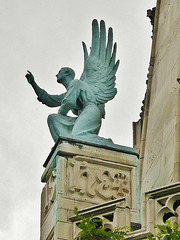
[(162, 204), (48, 193), (94, 181)]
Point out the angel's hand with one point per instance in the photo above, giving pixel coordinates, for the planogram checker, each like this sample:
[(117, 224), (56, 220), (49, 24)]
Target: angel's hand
[(30, 77)]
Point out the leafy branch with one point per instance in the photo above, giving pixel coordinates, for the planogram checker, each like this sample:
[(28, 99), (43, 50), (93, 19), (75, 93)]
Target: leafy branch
[(168, 231), (92, 229)]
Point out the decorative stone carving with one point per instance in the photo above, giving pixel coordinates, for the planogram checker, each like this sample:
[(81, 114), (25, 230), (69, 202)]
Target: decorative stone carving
[(49, 193), (170, 210), (161, 204), (151, 15), (90, 180)]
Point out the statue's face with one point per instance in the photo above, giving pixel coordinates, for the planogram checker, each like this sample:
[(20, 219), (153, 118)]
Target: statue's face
[(64, 73), (61, 76)]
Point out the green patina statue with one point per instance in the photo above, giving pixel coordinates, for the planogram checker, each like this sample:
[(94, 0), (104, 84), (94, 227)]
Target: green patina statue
[(85, 97)]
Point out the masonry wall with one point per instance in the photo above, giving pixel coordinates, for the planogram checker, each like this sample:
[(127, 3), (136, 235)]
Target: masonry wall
[(161, 135)]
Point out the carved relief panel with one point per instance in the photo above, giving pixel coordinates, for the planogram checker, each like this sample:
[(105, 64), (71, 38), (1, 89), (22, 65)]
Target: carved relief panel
[(97, 180), (48, 195)]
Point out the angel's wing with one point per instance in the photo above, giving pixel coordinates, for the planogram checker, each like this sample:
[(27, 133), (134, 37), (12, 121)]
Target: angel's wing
[(100, 65)]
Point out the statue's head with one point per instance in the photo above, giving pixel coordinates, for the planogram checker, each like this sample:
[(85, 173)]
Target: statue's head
[(65, 73)]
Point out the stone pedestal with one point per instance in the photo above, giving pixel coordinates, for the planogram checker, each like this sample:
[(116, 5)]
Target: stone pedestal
[(88, 176)]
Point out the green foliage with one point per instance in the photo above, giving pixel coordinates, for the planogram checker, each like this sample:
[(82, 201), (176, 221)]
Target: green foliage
[(168, 231), (92, 231)]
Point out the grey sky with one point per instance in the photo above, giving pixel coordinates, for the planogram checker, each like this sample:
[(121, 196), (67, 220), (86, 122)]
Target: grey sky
[(42, 36)]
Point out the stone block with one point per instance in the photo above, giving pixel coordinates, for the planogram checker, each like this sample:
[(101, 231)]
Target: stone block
[(62, 215), (65, 203), (48, 223), (63, 230)]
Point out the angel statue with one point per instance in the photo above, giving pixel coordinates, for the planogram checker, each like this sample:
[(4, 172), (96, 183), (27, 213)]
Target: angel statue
[(87, 96)]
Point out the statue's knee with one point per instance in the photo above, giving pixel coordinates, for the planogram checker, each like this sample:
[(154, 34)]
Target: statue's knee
[(78, 133)]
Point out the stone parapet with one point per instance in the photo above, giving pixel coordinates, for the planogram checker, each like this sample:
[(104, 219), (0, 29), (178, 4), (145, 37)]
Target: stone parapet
[(87, 176)]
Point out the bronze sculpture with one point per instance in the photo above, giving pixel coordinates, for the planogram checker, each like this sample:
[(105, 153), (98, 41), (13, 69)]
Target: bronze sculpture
[(85, 97)]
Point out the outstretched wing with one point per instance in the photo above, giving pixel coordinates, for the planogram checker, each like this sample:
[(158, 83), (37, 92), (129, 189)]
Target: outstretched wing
[(100, 65)]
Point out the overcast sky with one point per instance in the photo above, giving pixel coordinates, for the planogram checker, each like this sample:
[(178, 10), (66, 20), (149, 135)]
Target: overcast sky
[(42, 36)]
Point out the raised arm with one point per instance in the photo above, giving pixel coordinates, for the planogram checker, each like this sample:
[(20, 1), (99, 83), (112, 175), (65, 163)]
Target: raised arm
[(31, 80), (42, 95)]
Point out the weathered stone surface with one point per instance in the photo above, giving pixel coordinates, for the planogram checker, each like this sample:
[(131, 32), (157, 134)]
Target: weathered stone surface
[(85, 176), (160, 144), (160, 128)]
